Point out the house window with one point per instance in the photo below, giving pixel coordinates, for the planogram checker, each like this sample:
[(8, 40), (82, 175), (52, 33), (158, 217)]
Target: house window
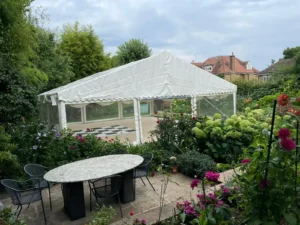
[(266, 77), (208, 68), (249, 66)]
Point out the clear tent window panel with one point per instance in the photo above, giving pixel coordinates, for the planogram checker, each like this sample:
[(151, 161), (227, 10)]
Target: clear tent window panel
[(161, 105), (128, 109), (209, 105), (49, 115), (145, 108), (73, 114), (102, 111)]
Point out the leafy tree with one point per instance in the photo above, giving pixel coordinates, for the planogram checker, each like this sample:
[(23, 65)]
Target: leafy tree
[(85, 50), (50, 60), (291, 52), (17, 98), (132, 50)]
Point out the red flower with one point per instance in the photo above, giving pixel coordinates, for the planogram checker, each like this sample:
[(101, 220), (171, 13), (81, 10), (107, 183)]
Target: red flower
[(88, 129), (152, 174), (287, 144), (264, 184), (298, 100), (157, 121), (131, 213), (155, 113), (77, 137), (244, 161), (194, 117), (116, 131), (99, 138), (72, 147), (291, 110), (297, 113), (284, 133), (82, 140), (112, 139), (283, 100)]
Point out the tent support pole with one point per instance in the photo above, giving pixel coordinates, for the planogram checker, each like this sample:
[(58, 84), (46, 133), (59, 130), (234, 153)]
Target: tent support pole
[(62, 116), (194, 105), (234, 103), (137, 119)]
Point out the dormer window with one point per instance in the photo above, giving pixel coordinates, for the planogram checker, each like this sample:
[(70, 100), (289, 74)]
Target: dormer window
[(208, 68), (249, 66)]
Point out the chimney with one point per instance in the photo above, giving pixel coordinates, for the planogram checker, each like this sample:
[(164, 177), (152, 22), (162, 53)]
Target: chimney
[(232, 63)]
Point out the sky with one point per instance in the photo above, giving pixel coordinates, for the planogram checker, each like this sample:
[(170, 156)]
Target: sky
[(255, 30)]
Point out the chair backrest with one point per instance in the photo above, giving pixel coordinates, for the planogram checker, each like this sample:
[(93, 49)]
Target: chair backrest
[(35, 171), (147, 159), (106, 184), (12, 188)]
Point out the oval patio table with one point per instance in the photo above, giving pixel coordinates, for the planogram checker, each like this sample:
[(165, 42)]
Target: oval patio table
[(72, 176)]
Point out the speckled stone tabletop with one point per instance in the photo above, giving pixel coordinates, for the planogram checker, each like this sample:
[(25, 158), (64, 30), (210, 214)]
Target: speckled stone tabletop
[(93, 168)]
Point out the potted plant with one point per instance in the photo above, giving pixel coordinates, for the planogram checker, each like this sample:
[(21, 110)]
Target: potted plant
[(173, 164)]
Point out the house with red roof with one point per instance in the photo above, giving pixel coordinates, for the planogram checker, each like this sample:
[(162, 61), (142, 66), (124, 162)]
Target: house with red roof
[(229, 67)]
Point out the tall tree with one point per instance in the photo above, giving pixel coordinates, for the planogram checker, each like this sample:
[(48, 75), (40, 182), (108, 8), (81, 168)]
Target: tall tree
[(50, 60), (291, 52), (85, 50), (132, 50)]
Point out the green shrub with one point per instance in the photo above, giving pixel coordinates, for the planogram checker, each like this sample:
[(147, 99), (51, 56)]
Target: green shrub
[(9, 166), (103, 216), (5, 141), (193, 163), (7, 217)]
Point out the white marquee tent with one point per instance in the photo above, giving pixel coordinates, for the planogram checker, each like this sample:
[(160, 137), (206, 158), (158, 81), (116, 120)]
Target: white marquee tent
[(160, 76)]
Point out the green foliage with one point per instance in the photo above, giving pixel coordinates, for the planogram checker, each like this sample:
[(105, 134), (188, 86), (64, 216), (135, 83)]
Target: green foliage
[(103, 216), (181, 106), (85, 50), (18, 99), (50, 60), (132, 50), (291, 52), (9, 166), (193, 163), (7, 217), (5, 141)]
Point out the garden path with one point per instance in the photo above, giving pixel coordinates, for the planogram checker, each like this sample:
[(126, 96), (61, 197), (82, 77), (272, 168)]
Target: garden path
[(146, 205)]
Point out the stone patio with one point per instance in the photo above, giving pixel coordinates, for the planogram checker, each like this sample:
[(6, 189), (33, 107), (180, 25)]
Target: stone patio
[(146, 205)]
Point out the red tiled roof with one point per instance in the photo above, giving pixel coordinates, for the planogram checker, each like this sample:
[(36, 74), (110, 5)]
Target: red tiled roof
[(221, 65)]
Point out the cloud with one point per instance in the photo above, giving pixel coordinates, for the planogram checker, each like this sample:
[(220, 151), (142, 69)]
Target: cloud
[(255, 30)]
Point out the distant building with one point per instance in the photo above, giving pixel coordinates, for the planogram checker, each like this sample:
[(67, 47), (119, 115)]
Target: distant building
[(229, 67), (276, 69)]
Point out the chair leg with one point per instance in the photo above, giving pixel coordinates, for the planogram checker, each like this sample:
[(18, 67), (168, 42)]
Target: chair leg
[(143, 181), (50, 197), (28, 205), (20, 206), (150, 183), (43, 209), (120, 205), (90, 201)]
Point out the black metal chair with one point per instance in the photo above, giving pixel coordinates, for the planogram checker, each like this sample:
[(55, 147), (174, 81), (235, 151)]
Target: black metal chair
[(24, 192), (36, 171), (143, 169), (107, 187)]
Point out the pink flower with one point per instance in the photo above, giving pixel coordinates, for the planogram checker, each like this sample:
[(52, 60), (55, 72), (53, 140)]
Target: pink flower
[(212, 176), (82, 140), (88, 129), (264, 184), (284, 133), (287, 144), (143, 221), (77, 137), (219, 203), (194, 183), (226, 190), (131, 213), (157, 121), (211, 195), (116, 131), (72, 147), (99, 138), (243, 161), (235, 188), (194, 117), (155, 113)]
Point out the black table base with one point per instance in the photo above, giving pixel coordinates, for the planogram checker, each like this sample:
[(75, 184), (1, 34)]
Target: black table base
[(74, 204), (73, 194)]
